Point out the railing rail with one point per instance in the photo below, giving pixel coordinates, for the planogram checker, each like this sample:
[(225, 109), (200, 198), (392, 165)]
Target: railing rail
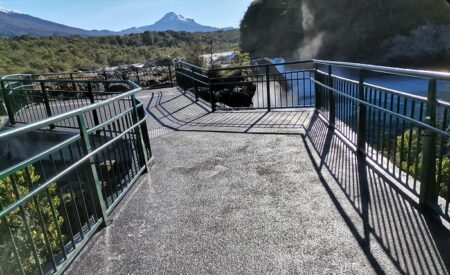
[(55, 197), (407, 135), (249, 87), (107, 148)]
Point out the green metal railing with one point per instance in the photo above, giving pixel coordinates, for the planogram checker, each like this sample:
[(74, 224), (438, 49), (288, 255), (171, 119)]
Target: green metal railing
[(53, 201)]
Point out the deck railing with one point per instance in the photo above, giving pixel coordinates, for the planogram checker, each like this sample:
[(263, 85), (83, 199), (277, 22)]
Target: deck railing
[(405, 134), (54, 200), (64, 185), (404, 130), (150, 77), (262, 86)]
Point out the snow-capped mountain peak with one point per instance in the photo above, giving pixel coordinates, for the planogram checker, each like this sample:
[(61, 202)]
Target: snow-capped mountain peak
[(3, 10)]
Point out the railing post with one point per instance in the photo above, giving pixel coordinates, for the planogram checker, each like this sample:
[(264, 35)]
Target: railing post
[(195, 84), (170, 76), (99, 200), (92, 100), (428, 187), (106, 79), (269, 107), (141, 115), (331, 102), (143, 144), (317, 88), (74, 87), (8, 106), (211, 93), (138, 78), (46, 102), (183, 79), (361, 132)]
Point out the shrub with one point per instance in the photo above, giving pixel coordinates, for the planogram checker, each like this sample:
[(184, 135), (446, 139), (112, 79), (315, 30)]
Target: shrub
[(38, 213), (414, 166)]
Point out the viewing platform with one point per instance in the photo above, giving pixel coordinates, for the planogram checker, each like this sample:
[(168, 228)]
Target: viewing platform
[(313, 169), (237, 203)]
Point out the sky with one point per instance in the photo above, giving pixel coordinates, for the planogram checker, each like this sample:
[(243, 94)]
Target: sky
[(117, 15)]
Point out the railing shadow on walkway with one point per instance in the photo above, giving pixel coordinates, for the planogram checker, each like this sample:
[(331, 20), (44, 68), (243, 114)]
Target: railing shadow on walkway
[(381, 217), (181, 112)]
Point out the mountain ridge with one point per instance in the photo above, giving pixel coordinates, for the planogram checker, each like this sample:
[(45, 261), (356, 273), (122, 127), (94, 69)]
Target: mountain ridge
[(173, 22), (14, 23)]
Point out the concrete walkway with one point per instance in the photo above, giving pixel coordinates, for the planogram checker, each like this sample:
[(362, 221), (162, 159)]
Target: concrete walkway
[(179, 111), (232, 203)]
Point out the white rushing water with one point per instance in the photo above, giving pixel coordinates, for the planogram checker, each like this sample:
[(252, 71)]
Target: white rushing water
[(292, 91), (286, 89)]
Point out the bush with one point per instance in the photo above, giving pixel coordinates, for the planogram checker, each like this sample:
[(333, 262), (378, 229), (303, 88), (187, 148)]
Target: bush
[(414, 167), (37, 212)]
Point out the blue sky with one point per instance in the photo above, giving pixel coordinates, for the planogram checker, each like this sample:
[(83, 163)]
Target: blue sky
[(121, 14)]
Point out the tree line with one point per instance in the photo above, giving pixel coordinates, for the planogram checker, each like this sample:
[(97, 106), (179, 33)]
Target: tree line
[(27, 54)]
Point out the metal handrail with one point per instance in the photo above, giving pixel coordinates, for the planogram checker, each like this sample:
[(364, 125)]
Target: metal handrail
[(95, 143), (387, 70), (37, 125), (406, 118)]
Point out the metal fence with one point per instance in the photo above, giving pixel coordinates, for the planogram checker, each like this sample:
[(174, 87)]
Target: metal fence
[(53, 201), (59, 197), (151, 77), (405, 134), (267, 86)]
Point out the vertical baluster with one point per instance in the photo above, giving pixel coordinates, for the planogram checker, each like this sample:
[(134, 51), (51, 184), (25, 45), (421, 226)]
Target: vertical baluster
[(268, 87)]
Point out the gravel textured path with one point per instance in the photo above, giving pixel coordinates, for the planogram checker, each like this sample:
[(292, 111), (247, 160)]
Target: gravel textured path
[(231, 203)]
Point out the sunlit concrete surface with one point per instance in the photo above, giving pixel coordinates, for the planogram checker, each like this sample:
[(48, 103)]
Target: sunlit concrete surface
[(241, 203), (180, 111)]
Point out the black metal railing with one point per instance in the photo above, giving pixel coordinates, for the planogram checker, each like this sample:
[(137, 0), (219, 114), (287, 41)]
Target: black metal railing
[(405, 131), (60, 186), (405, 134), (150, 77), (267, 86)]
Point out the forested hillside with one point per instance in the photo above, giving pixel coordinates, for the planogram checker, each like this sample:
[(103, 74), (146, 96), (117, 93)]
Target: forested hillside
[(389, 32), (27, 54)]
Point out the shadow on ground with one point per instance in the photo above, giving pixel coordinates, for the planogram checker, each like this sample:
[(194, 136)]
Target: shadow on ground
[(226, 203), (179, 111), (387, 220)]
